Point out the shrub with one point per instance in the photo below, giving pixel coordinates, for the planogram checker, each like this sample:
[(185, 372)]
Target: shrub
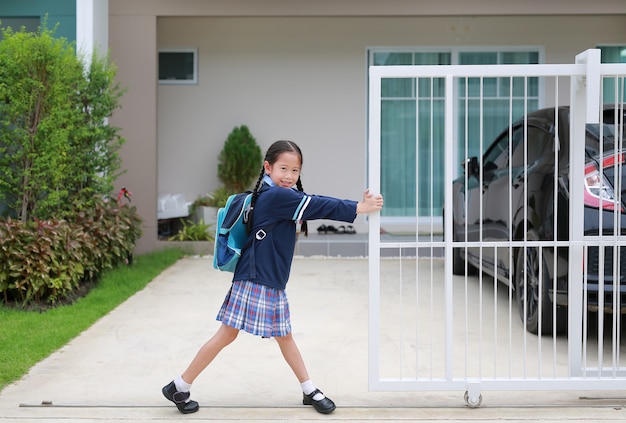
[(111, 233), (240, 160), (46, 260), (39, 259), (56, 148)]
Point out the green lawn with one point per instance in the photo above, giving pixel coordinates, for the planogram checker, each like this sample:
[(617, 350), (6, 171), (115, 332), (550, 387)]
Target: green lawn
[(27, 337)]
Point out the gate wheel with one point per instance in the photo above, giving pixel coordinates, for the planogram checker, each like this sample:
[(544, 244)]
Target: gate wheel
[(473, 402)]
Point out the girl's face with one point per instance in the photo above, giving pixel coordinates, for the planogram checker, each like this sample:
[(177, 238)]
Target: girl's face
[(285, 172)]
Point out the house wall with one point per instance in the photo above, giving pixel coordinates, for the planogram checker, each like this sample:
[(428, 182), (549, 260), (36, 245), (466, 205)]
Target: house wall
[(132, 41), (365, 7), (295, 77)]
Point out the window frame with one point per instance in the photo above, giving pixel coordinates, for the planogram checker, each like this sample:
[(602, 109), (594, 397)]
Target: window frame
[(193, 51), (454, 53)]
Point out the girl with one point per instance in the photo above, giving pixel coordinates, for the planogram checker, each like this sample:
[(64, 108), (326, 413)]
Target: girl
[(256, 301)]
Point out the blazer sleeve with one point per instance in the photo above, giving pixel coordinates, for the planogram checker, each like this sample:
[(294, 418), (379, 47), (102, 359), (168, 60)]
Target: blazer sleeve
[(286, 204), (321, 207)]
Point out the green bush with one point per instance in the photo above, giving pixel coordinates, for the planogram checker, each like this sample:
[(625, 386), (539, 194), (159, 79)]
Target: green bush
[(56, 147), (58, 161), (111, 232), (240, 160), (46, 260)]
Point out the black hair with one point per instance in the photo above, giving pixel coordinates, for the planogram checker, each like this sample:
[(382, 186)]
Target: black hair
[(271, 156)]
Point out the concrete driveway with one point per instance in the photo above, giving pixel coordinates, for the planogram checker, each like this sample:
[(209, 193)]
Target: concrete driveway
[(114, 371)]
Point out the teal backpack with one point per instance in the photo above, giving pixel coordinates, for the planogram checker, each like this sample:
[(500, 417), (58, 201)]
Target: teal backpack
[(231, 233)]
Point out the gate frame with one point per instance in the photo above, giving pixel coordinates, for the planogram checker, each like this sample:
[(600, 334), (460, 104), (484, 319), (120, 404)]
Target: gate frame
[(585, 87)]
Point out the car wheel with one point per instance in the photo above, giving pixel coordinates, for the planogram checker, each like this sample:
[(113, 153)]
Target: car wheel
[(458, 263), (532, 294)]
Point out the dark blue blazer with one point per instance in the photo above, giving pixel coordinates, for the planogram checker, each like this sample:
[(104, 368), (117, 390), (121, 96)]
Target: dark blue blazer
[(268, 261)]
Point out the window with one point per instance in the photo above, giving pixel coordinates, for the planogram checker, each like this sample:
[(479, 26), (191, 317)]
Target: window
[(613, 54), (414, 109), (29, 24), (613, 88), (498, 154), (178, 66), (527, 151)]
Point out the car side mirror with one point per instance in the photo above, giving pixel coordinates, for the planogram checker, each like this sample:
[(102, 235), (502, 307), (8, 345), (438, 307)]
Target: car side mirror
[(470, 166)]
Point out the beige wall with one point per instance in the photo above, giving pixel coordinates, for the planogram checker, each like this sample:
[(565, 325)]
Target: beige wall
[(133, 48), (365, 7), (300, 78)]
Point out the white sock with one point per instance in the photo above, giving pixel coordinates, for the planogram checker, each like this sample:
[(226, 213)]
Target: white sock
[(308, 387), (182, 386)]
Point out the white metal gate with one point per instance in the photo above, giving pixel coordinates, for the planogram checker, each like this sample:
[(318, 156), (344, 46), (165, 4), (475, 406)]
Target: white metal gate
[(432, 329)]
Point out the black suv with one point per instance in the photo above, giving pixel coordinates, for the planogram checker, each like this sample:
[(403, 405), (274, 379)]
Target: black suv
[(523, 176)]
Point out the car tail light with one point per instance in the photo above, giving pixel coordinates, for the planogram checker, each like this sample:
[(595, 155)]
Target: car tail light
[(598, 191)]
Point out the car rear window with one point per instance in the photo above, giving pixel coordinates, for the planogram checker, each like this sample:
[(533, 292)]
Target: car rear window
[(594, 147)]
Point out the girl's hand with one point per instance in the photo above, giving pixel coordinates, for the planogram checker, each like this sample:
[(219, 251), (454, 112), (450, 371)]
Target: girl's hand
[(370, 203)]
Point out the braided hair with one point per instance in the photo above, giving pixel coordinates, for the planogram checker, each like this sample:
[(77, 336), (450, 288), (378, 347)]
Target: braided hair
[(271, 156)]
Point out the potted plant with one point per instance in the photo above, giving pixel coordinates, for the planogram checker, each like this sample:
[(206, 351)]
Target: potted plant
[(191, 231), (202, 209), (194, 237), (205, 207)]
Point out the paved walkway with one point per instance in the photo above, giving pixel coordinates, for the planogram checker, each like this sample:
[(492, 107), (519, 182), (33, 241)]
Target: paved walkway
[(114, 371)]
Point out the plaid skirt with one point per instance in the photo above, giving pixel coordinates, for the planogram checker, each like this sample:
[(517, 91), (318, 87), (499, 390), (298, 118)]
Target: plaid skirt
[(257, 309)]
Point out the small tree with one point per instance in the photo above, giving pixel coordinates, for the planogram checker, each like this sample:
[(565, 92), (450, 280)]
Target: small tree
[(240, 160), (56, 149)]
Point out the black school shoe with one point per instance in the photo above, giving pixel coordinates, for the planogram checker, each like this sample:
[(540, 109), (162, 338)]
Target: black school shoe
[(324, 406), (179, 398)]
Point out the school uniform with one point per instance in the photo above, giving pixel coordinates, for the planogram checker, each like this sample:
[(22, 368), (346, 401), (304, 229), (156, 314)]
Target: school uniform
[(256, 302)]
